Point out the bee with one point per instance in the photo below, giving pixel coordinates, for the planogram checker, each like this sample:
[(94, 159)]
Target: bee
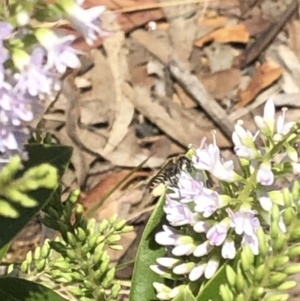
[(169, 174)]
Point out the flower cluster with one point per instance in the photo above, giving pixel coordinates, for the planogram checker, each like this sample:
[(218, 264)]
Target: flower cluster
[(208, 226), (32, 59)]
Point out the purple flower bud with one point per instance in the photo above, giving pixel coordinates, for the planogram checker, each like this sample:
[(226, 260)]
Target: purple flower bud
[(265, 175), (211, 267), (217, 234), (228, 249), (197, 272), (203, 249)]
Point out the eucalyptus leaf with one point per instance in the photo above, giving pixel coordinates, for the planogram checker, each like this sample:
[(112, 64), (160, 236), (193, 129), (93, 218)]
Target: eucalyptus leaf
[(143, 277), (56, 155), (16, 289)]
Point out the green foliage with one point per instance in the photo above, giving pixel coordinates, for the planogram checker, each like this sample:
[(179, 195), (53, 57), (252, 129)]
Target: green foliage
[(34, 185), (12, 289), (78, 259), (149, 251)]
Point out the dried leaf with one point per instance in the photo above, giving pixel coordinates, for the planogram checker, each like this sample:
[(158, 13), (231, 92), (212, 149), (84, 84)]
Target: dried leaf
[(265, 76), (237, 34)]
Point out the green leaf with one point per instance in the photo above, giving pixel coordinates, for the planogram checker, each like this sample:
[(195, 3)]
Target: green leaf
[(56, 155), (212, 288), (185, 295), (15, 289), (3, 251), (143, 277)]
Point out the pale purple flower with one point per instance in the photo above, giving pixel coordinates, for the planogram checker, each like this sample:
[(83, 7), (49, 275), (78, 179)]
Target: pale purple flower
[(203, 226), (203, 249), (162, 291), (60, 54), (197, 272), (244, 143), (265, 175), (207, 203), (167, 237), (167, 262), (87, 21), (265, 201), (282, 128), (33, 78), (208, 158), (14, 107), (187, 188), (252, 242), (184, 249), (178, 214), (5, 30), (211, 267), (228, 249), (183, 268), (244, 221), (266, 124), (217, 234)]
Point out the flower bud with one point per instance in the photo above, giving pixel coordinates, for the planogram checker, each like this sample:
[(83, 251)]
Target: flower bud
[(288, 216), (292, 269), (64, 266), (103, 225), (24, 266), (291, 152), (282, 297), (280, 243), (109, 277), (260, 272), (92, 240), (120, 225), (240, 297), (286, 197), (113, 238), (240, 282), (247, 258), (277, 278), (296, 191), (29, 257), (225, 293), (115, 290), (71, 239), (262, 240), (280, 260), (294, 251), (40, 265), (183, 268), (81, 234), (45, 250), (257, 293), (286, 285), (230, 274), (295, 234), (37, 253), (275, 213)]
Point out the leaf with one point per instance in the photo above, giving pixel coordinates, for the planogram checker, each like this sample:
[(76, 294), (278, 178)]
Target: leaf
[(15, 289), (143, 277), (212, 288), (56, 155), (3, 251), (186, 295)]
